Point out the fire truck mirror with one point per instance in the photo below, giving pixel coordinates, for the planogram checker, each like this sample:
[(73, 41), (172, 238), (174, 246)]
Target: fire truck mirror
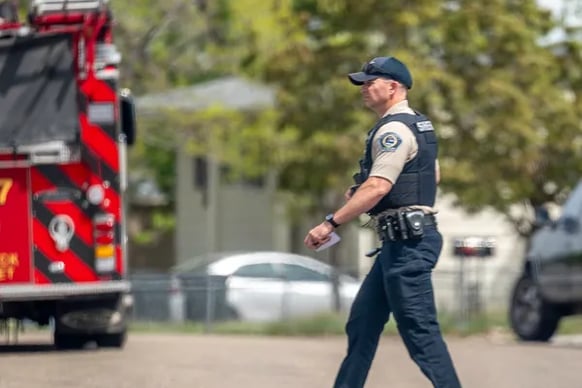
[(128, 121)]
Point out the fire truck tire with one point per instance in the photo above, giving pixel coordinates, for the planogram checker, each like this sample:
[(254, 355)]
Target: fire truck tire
[(115, 340), (69, 341)]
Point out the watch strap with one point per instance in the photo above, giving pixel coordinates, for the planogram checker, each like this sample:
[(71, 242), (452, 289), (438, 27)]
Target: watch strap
[(329, 218)]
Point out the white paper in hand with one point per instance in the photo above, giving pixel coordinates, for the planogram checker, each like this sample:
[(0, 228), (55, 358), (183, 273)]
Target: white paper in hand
[(334, 238)]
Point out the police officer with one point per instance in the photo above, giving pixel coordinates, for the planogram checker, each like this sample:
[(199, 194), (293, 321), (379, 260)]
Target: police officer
[(396, 185)]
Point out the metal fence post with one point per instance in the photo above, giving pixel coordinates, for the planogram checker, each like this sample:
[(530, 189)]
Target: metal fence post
[(209, 304), (465, 248)]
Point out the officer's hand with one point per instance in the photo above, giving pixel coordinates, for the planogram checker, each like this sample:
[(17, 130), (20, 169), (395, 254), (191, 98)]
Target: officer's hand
[(318, 235)]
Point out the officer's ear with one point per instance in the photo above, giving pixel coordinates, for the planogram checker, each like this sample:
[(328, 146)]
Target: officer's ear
[(399, 88), (392, 85)]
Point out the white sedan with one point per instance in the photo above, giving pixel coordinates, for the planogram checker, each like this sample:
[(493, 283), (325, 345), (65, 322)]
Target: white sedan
[(270, 286)]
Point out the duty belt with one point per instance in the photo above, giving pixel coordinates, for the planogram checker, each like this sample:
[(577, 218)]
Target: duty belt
[(402, 224)]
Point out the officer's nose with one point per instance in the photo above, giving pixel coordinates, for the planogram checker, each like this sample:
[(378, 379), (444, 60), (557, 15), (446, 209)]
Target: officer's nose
[(364, 90)]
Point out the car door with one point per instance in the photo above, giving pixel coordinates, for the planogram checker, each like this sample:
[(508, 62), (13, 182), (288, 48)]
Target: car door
[(307, 291), (575, 258), (557, 251), (550, 264), (573, 227), (255, 292)]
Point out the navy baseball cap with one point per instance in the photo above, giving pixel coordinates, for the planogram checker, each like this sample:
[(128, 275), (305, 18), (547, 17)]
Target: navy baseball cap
[(383, 67)]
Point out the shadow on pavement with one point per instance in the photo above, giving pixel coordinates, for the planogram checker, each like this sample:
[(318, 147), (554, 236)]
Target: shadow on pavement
[(41, 348), (27, 348), (562, 342)]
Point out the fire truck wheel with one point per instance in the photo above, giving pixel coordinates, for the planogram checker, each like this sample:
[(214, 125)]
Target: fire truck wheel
[(116, 340), (68, 341)]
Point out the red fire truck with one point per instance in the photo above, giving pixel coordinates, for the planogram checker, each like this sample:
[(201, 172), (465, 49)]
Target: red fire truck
[(64, 130)]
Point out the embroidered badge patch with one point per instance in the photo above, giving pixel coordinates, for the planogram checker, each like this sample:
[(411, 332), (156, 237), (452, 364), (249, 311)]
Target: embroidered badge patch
[(389, 142), (424, 126)]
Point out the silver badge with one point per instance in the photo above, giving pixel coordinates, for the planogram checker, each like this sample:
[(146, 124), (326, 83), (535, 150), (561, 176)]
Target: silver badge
[(62, 229), (390, 141)]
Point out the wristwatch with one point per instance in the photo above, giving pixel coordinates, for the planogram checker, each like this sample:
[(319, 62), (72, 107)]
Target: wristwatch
[(329, 218)]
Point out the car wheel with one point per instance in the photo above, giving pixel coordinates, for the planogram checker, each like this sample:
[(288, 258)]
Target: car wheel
[(114, 340), (69, 341), (532, 318)]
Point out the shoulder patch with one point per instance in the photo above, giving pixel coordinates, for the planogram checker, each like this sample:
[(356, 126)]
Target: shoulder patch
[(424, 126), (389, 142)]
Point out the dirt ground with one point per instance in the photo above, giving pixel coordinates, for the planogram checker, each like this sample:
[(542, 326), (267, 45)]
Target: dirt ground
[(178, 360)]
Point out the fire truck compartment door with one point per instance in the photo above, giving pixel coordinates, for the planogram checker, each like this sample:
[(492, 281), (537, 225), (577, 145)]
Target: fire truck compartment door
[(15, 245), (38, 91)]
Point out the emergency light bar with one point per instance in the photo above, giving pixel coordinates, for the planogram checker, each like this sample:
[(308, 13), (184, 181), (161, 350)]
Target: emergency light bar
[(41, 7)]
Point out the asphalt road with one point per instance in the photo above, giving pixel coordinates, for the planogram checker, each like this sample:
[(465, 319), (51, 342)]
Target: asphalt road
[(165, 360)]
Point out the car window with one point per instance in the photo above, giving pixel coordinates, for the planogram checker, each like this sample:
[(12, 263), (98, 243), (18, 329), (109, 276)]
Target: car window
[(293, 272), (256, 271)]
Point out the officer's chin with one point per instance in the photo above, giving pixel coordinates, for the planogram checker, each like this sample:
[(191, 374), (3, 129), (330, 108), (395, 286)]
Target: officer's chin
[(369, 105)]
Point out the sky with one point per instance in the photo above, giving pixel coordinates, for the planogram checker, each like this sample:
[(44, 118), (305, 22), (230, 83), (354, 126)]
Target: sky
[(574, 8), (571, 8)]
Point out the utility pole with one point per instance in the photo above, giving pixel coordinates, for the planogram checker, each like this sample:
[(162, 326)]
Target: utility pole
[(212, 206)]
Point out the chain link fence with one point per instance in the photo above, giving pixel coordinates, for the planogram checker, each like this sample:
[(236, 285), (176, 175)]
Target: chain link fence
[(163, 297)]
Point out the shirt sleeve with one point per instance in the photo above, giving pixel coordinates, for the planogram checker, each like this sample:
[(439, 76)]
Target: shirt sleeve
[(393, 145)]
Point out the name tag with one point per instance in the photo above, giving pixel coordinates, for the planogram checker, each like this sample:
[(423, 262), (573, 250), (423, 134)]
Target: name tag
[(424, 126)]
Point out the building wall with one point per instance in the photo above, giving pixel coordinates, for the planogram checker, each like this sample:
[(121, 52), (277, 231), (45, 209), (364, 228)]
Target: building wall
[(244, 217), (495, 274)]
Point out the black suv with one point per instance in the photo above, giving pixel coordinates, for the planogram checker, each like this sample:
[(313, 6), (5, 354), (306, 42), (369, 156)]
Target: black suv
[(550, 286)]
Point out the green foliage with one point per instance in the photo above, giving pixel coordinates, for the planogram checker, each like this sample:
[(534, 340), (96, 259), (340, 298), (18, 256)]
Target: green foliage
[(161, 222), (328, 324), (172, 42), (155, 159), (508, 121), (244, 142)]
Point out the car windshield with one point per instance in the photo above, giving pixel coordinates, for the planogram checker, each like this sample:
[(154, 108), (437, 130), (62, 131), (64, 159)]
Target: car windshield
[(199, 263), (280, 264), (295, 272)]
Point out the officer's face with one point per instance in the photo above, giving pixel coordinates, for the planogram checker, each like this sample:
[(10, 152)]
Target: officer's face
[(377, 93)]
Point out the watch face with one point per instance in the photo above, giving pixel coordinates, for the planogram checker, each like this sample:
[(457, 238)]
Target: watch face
[(329, 218)]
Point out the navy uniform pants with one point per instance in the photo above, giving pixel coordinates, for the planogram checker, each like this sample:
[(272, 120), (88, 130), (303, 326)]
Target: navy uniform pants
[(399, 283)]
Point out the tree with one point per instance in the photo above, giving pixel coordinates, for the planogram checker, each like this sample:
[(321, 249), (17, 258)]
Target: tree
[(511, 132), (172, 43)]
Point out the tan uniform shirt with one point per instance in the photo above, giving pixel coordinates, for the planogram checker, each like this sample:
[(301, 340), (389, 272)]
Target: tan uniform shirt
[(393, 146)]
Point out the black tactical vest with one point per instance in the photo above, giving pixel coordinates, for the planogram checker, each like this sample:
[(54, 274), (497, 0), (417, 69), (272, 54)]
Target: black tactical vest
[(416, 184)]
